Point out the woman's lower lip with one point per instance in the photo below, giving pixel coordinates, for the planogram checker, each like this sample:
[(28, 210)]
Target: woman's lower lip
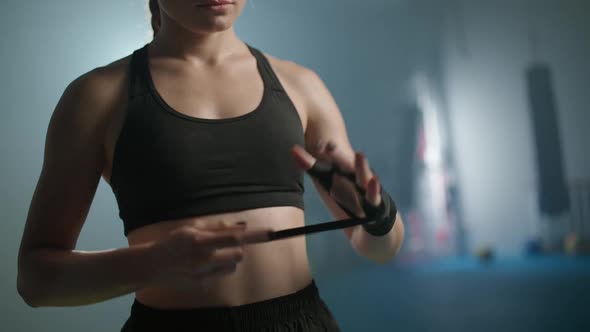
[(220, 7)]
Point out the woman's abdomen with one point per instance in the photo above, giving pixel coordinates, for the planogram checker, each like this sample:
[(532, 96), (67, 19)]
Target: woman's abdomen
[(268, 270)]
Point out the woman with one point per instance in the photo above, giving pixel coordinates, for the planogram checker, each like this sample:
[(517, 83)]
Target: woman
[(202, 139)]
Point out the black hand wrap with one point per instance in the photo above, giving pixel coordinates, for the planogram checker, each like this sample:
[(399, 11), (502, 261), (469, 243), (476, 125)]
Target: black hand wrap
[(380, 218)]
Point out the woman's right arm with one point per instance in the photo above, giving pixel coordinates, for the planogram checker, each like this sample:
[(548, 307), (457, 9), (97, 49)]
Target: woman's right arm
[(50, 271)]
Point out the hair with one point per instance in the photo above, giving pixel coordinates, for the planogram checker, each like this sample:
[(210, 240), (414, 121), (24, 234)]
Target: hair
[(156, 18)]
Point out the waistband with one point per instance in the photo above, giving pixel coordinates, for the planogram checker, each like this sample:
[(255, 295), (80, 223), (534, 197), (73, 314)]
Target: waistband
[(252, 316)]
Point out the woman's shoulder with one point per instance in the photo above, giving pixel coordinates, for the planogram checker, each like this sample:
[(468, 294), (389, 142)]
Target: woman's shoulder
[(103, 81), (302, 80), (291, 71), (90, 101), (99, 88)]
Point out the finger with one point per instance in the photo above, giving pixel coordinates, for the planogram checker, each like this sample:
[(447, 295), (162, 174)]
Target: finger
[(320, 151), (219, 239), (374, 191), (221, 225), (217, 271), (302, 158), (222, 270), (362, 170), (225, 256), (218, 258), (340, 157), (256, 236)]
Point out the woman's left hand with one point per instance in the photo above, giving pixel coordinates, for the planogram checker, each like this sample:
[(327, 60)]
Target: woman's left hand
[(353, 163)]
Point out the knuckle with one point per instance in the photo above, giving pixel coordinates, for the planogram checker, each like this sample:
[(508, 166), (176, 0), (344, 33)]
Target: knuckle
[(235, 238), (197, 239), (183, 232)]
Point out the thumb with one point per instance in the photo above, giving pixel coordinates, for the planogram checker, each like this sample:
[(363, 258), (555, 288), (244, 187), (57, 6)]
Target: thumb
[(302, 158)]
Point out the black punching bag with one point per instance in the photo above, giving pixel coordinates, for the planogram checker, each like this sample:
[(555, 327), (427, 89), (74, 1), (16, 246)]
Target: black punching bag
[(553, 194)]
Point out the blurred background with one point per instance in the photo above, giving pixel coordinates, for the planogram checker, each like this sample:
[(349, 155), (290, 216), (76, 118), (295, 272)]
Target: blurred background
[(474, 113)]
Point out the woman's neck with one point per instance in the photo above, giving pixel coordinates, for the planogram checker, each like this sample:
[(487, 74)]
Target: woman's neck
[(210, 48)]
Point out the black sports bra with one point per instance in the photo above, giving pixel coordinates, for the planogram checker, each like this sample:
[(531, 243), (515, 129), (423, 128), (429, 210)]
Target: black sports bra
[(169, 165)]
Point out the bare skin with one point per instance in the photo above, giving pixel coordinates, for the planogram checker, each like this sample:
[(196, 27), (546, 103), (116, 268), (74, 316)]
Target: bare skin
[(194, 72)]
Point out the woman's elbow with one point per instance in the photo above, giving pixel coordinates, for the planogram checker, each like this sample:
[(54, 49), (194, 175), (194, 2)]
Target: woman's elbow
[(26, 292), (28, 281)]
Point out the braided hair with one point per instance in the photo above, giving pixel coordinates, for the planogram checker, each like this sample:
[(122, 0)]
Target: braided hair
[(156, 18)]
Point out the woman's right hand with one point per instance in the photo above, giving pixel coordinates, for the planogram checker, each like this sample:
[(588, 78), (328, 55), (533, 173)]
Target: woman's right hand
[(192, 256)]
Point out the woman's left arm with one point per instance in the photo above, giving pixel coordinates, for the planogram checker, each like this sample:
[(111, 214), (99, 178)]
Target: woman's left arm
[(326, 138)]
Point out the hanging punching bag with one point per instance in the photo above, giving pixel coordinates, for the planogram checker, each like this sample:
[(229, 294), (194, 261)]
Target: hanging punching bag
[(553, 194)]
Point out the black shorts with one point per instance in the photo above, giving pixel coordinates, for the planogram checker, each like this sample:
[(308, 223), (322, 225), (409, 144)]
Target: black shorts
[(301, 311)]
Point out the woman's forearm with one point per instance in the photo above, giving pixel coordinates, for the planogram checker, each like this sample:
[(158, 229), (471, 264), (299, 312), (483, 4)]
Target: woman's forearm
[(54, 278)]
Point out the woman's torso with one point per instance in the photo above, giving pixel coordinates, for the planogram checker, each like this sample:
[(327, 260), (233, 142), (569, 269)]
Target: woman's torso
[(269, 269)]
